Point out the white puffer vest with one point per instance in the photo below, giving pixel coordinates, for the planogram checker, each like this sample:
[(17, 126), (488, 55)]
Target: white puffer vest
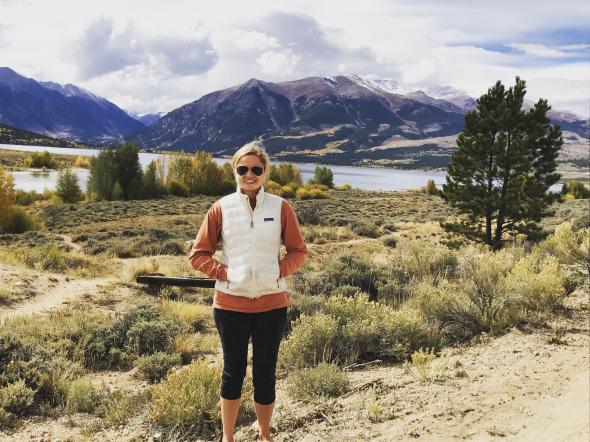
[(251, 242)]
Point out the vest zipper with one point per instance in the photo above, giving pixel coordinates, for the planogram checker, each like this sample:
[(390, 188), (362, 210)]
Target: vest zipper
[(252, 248)]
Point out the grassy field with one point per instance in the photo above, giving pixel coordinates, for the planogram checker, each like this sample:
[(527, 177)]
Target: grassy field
[(86, 351)]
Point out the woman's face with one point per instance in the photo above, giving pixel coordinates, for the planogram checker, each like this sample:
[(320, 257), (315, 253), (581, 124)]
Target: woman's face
[(249, 181)]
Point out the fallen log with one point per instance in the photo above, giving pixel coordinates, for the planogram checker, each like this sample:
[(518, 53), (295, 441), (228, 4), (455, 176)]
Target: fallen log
[(178, 281)]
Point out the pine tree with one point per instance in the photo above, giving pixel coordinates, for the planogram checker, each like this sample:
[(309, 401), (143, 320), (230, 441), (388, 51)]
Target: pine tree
[(504, 166)]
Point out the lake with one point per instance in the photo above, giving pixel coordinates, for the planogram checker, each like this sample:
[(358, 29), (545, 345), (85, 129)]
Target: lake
[(359, 177)]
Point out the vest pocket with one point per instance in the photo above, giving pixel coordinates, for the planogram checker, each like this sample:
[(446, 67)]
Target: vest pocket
[(267, 278)]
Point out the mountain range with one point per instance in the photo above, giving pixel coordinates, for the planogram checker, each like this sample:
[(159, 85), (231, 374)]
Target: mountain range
[(62, 111), (346, 119)]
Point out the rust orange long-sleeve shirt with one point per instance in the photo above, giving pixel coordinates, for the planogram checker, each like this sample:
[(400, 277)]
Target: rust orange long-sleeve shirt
[(201, 258)]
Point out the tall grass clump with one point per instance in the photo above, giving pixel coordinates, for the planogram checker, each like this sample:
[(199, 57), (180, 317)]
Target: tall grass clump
[(317, 383), (197, 316), (419, 259), (82, 397), (118, 406)]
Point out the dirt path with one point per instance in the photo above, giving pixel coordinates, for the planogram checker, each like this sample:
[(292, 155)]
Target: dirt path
[(63, 291)]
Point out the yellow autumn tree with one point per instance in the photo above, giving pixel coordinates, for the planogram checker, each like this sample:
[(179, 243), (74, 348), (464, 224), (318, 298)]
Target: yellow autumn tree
[(7, 198)]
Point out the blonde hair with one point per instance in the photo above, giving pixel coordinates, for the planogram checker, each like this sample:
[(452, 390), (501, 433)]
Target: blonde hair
[(252, 148)]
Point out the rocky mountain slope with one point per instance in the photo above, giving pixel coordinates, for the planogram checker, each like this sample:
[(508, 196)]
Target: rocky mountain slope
[(61, 111)]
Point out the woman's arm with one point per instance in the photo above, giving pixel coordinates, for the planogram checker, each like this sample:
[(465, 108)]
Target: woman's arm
[(293, 241), (201, 256)]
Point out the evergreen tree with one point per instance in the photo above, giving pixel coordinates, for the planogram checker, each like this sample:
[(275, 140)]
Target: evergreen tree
[(67, 187), (504, 166)]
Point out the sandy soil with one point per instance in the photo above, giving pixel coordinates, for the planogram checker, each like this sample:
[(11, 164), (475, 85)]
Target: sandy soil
[(517, 387)]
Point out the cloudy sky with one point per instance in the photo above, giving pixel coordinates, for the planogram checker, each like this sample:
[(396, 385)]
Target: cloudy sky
[(149, 56)]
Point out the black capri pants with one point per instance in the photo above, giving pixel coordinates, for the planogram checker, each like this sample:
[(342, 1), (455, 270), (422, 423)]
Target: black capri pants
[(235, 328)]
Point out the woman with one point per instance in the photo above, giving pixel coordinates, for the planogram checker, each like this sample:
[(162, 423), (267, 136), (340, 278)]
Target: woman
[(250, 293)]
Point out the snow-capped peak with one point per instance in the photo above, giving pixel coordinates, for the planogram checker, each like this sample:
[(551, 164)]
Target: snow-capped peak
[(70, 90), (388, 85)]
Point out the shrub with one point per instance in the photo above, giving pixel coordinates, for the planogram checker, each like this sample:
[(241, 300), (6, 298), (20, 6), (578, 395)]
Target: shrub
[(21, 221), (81, 397), (576, 189), (350, 329), (568, 246), (39, 160), (316, 383), (347, 291), (156, 366), (149, 336), (371, 330), (390, 241), (17, 398), (538, 281), (425, 366), (177, 188), (421, 258), (273, 187), (5, 296), (366, 229), (188, 398), (392, 293), (187, 346), (118, 406), (24, 198), (140, 331), (7, 419), (310, 342), (352, 269), (304, 193), (431, 188), (82, 162)]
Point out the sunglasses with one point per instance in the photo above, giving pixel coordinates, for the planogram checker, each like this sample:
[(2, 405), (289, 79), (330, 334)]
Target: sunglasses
[(256, 170)]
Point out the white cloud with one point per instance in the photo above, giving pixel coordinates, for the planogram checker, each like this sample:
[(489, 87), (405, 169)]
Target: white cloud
[(153, 56), (540, 50), (278, 63)]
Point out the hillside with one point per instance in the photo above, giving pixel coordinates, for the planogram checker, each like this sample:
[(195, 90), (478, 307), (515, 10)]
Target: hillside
[(61, 111), (12, 135)]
